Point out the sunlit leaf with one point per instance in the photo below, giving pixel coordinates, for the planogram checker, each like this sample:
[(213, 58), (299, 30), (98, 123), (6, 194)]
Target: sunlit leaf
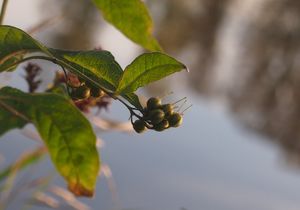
[(132, 18), (147, 68), (97, 66), (66, 132)]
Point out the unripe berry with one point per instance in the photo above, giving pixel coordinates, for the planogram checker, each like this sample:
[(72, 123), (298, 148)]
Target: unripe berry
[(153, 103), (175, 120), (96, 92), (81, 92), (168, 109), (156, 116), (139, 126), (162, 125)]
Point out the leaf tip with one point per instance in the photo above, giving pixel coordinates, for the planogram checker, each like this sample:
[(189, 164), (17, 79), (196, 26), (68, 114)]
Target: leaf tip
[(79, 190), (184, 67)]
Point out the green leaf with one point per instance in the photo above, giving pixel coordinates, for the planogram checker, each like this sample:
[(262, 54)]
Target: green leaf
[(66, 132), (11, 63), (10, 118), (132, 18), (98, 67), (60, 89), (14, 41), (147, 68)]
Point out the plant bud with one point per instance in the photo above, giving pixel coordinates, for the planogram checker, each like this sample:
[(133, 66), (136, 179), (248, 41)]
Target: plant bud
[(175, 120), (139, 126), (156, 116), (162, 125), (153, 103)]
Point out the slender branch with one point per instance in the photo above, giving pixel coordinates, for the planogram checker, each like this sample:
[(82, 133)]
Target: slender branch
[(41, 57), (3, 10), (61, 64)]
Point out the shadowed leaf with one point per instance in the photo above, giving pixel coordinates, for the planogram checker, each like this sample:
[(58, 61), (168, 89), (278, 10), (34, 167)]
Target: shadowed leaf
[(66, 132), (147, 68)]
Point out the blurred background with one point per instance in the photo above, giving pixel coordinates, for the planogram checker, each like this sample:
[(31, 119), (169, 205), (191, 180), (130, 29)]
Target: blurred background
[(239, 146)]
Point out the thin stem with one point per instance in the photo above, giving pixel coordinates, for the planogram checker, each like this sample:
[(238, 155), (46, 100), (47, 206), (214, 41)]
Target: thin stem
[(61, 64), (53, 60), (179, 100), (3, 10), (129, 108), (186, 109), (67, 79), (181, 106)]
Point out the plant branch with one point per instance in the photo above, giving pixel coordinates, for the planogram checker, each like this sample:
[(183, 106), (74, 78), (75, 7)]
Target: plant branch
[(129, 108), (61, 64), (3, 10)]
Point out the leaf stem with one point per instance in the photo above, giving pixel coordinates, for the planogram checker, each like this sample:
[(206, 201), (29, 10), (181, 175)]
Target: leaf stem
[(3, 10), (67, 79), (129, 108), (61, 64), (41, 57)]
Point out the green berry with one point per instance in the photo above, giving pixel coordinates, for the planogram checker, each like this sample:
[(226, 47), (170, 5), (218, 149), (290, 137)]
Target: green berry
[(96, 92), (139, 126), (162, 125), (175, 120), (168, 109), (153, 103), (156, 116), (81, 92)]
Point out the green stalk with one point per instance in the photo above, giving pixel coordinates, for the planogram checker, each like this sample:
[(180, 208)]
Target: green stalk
[(3, 9)]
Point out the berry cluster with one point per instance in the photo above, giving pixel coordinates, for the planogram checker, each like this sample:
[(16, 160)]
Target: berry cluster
[(157, 116)]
